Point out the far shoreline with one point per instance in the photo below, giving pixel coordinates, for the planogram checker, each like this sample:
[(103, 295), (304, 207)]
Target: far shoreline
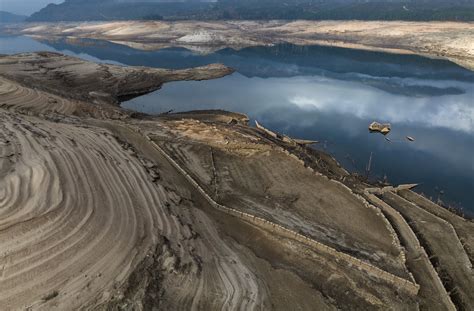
[(439, 40)]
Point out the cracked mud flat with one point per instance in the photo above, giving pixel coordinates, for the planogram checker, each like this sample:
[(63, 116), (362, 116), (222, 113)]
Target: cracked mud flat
[(446, 40), (96, 212)]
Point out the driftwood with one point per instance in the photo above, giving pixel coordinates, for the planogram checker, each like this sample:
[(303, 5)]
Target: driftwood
[(285, 138)]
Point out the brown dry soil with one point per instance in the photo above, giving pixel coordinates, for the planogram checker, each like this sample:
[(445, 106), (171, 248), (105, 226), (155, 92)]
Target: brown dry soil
[(446, 40), (106, 209)]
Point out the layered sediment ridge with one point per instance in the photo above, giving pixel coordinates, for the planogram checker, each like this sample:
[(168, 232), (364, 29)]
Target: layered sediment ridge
[(74, 78)]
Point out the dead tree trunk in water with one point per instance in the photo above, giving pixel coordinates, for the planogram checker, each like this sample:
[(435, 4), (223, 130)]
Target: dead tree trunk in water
[(369, 166)]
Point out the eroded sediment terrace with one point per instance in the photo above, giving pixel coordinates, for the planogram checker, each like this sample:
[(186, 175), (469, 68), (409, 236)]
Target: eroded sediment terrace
[(103, 207)]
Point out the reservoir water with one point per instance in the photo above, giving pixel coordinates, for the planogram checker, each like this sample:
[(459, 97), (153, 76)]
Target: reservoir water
[(325, 94)]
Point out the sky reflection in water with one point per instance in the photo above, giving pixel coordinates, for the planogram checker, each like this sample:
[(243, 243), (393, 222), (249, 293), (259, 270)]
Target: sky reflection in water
[(330, 95)]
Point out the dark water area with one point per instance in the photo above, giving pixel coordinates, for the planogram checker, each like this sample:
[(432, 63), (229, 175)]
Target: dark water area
[(326, 94)]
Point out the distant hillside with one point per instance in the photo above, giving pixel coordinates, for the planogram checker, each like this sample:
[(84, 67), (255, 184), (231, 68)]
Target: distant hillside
[(7, 17), (411, 10), (97, 10)]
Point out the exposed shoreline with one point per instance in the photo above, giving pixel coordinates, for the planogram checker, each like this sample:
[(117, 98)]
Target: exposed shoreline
[(103, 207), (444, 40)]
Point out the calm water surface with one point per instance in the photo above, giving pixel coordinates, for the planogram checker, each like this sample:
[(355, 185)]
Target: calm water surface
[(330, 95)]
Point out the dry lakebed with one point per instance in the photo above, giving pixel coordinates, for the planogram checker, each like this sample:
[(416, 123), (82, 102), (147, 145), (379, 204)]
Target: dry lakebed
[(105, 208)]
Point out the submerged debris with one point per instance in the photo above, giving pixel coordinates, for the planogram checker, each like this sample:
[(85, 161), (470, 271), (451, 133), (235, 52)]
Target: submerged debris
[(380, 127)]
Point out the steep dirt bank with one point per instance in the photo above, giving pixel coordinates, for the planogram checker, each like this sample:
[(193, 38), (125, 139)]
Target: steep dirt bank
[(186, 211), (446, 40)]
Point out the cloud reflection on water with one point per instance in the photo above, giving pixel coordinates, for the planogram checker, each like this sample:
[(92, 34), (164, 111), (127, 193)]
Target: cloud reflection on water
[(327, 94), (257, 96), (454, 112)]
